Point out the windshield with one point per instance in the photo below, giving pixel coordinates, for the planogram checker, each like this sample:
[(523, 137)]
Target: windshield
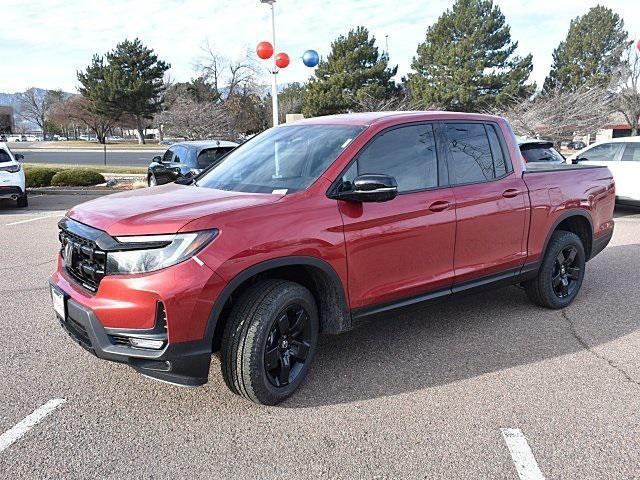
[(282, 160)]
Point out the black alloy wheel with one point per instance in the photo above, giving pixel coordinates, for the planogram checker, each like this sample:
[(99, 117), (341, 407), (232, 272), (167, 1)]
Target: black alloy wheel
[(287, 346), (566, 272)]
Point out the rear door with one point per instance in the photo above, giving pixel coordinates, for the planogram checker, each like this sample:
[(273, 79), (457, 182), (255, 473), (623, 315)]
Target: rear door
[(628, 180), (490, 202), (403, 247)]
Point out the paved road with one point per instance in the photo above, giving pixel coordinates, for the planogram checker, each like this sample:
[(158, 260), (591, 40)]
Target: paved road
[(423, 395), (130, 158)]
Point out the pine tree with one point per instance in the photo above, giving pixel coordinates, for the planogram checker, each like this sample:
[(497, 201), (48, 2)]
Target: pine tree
[(354, 70), (467, 61), (591, 53), (127, 81)]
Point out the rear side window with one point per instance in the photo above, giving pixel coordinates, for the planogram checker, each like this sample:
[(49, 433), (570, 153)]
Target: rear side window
[(631, 153), (406, 153), (4, 156), (209, 157), (471, 157)]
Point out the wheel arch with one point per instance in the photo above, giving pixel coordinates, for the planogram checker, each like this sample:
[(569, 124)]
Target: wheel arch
[(576, 221), (315, 274)]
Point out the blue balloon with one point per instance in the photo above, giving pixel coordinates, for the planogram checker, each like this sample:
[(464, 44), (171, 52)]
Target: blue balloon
[(311, 58)]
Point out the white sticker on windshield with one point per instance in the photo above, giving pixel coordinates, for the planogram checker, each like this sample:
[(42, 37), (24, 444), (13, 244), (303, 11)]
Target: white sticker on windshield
[(282, 191), (344, 145)]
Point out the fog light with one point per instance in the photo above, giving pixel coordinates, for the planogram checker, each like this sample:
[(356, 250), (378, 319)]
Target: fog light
[(145, 343)]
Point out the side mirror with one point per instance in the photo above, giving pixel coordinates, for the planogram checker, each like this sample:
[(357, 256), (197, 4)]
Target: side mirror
[(157, 159), (371, 187), (575, 161), (19, 157)]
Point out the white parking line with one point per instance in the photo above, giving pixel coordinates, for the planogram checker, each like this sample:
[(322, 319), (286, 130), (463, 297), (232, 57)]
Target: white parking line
[(28, 422), (34, 219), (521, 454)]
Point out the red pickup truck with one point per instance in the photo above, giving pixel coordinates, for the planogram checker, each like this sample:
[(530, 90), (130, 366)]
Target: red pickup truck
[(311, 227)]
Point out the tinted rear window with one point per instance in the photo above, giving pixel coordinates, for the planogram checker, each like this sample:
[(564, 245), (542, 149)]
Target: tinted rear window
[(541, 154), (470, 153), (212, 155)]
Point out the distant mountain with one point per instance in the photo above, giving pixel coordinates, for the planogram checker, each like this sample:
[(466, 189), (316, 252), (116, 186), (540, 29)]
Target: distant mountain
[(13, 100)]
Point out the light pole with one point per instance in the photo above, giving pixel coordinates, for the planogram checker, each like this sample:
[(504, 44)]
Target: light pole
[(274, 85)]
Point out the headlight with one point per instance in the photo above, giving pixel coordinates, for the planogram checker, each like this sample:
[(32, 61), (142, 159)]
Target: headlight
[(162, 251), (11, 168)]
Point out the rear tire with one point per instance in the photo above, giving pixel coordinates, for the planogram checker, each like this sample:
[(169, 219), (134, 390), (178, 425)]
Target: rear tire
[(23, 201), (269, 341), (561, 273)]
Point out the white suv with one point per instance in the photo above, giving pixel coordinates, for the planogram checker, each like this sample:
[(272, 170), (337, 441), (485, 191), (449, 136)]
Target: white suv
[(622, 156), (12, 182)]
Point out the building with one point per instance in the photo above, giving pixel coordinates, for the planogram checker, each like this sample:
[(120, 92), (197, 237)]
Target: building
[(616, 129), (7, 122)]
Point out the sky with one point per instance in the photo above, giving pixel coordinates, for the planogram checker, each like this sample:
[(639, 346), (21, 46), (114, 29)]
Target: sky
[(44, 43)]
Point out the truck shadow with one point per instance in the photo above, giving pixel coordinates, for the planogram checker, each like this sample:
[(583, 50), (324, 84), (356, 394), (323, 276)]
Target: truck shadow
[(422, 348)]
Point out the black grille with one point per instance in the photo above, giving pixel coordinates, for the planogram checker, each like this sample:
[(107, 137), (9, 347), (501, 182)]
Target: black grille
[(83, 260), (77, 332)]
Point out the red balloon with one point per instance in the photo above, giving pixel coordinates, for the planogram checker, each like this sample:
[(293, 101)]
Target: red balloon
[(282, 60), (264, 50)]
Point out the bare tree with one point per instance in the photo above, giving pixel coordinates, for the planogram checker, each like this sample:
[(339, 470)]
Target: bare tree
[(35, 107), (627, 99), (229, 77), (559, 115), (79, 110), (195, 120), (399, 102)]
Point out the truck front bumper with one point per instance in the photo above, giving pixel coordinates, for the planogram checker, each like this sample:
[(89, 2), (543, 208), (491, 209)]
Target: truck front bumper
[(184, 363)]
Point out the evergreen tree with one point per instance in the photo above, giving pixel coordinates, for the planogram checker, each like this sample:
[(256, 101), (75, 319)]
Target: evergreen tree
[(354, 70), (467, 61), (591, 53), (128, 81)]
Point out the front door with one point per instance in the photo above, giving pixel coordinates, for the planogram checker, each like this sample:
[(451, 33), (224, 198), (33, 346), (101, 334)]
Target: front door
[(403, 247)]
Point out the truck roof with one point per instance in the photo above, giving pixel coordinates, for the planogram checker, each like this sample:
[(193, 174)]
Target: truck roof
[(370, 118)]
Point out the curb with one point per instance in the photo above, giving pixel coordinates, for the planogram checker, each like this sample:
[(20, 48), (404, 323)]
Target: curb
[(62, 191)]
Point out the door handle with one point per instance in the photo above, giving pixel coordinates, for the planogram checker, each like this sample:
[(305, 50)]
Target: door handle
[(510, 193), (439, 206)]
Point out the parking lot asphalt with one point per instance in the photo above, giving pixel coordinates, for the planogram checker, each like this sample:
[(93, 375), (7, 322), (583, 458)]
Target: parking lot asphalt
[(424, 394)]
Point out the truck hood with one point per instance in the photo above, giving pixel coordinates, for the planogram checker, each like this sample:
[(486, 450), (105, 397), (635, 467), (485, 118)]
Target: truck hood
[(161, 210)]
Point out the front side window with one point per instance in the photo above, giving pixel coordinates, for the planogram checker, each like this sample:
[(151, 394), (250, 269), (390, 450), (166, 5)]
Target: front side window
[(4, 156), (470, 150), (285, 159), (607, 152), (168, 156), (631, 153), (407, 154)]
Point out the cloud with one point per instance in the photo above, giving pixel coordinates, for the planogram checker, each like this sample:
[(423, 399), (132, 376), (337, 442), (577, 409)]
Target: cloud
[(51, 40)]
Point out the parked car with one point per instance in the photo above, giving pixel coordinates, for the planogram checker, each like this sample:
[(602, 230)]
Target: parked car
[(313, 227), (12, 181), (622, 156), (576, 145), (186, 160), (17, 138), (539, 151)]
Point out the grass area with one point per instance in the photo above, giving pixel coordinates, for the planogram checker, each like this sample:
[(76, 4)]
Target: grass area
[(150, 145), (97, 168)]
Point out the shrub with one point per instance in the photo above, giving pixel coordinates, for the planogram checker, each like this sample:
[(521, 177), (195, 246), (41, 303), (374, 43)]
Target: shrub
[(39, 176), (77, 177)]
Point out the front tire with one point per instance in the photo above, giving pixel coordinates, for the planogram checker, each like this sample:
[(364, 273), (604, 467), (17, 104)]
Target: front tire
[(269, 341), (561, 273), (23, 201), (151, 181)]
